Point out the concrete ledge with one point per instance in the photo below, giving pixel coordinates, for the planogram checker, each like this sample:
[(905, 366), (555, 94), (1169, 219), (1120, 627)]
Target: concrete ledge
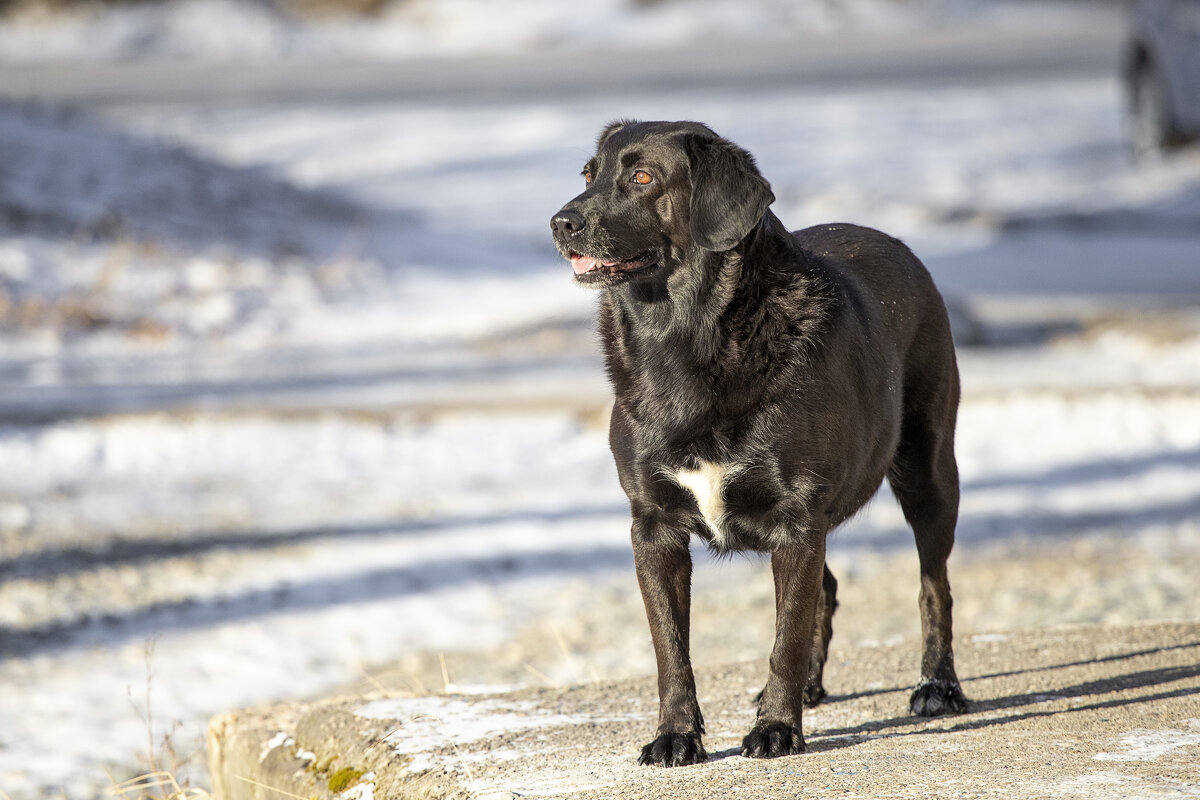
[(1065, 712)]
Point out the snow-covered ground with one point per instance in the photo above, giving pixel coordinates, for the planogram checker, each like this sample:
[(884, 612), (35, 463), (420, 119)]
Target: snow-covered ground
[(147, 230), (411, 29), (294, 390), (268, 558)]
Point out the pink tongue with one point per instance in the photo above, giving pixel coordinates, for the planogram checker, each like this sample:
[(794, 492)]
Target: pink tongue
[(582, 264)]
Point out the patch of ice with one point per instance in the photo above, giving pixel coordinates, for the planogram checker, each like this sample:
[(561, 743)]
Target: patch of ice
[(430, 723), (1113, 784), (280, 739), (421, 762), (481, 688), (496, 755), (1146, 745), (560, 783), (1098, 780), (363, 791), (890, 641)]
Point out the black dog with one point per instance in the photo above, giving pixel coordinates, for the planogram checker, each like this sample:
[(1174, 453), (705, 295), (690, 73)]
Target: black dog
[(766, 382)]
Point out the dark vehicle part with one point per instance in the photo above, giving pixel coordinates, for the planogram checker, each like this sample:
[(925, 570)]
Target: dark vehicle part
[(1162, 75)]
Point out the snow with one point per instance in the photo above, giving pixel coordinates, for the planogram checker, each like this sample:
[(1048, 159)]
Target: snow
[(229, 29), (363, 791), (1146, 745), (280, 739), (293, 389), (432, 723)]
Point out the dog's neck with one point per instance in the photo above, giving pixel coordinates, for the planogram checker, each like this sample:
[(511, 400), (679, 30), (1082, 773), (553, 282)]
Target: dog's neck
[(691, 302), (669, 342)]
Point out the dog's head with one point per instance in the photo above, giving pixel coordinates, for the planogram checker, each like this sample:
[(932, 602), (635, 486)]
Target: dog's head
[(658, 192)]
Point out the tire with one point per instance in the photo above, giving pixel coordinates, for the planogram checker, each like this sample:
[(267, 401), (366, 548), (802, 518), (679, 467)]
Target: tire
[(1151, 130)]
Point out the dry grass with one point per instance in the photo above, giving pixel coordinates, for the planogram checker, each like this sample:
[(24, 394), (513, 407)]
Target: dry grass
[(88, 308), (160, 781), (161, 785), (280, 792)]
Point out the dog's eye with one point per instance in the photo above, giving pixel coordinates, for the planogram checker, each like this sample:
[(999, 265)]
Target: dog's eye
[(642, 177), (587, 176)]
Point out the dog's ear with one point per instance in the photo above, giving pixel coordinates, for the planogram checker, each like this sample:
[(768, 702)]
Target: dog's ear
[(729, 195)]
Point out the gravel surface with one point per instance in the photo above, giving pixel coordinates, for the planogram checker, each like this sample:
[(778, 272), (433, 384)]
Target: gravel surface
[(600, 632), (1067, 711)]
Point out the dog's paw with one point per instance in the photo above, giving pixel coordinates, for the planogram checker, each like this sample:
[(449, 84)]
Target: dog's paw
[(936, 697), (813, 694), (773, 740), (673, 750)]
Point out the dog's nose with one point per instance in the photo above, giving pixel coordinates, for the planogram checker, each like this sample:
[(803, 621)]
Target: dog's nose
[(567, 223)]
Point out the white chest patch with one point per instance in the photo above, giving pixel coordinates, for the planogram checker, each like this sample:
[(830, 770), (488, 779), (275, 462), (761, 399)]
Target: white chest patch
[(707, 485)]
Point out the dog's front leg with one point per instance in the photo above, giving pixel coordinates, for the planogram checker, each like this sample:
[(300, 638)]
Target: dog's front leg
[(664, 572), (778, 730)]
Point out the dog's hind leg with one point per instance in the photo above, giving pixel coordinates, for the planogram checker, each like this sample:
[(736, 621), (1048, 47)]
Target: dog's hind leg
[(924, 478), (814, 689)]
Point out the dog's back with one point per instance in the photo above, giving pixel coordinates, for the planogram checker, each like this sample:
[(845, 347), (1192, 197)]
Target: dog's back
[(882, 279)]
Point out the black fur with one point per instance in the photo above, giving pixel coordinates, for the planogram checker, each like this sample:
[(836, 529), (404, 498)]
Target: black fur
[(808, 366)]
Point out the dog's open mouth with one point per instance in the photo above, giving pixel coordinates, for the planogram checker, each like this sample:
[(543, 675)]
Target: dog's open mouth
[(584, 265)]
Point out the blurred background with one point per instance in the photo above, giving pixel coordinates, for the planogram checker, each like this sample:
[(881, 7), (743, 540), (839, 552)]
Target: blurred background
[(296, 396)]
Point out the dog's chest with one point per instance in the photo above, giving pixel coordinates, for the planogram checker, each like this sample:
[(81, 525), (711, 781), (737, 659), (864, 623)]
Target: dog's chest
[(744, 504), (707, 485)]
